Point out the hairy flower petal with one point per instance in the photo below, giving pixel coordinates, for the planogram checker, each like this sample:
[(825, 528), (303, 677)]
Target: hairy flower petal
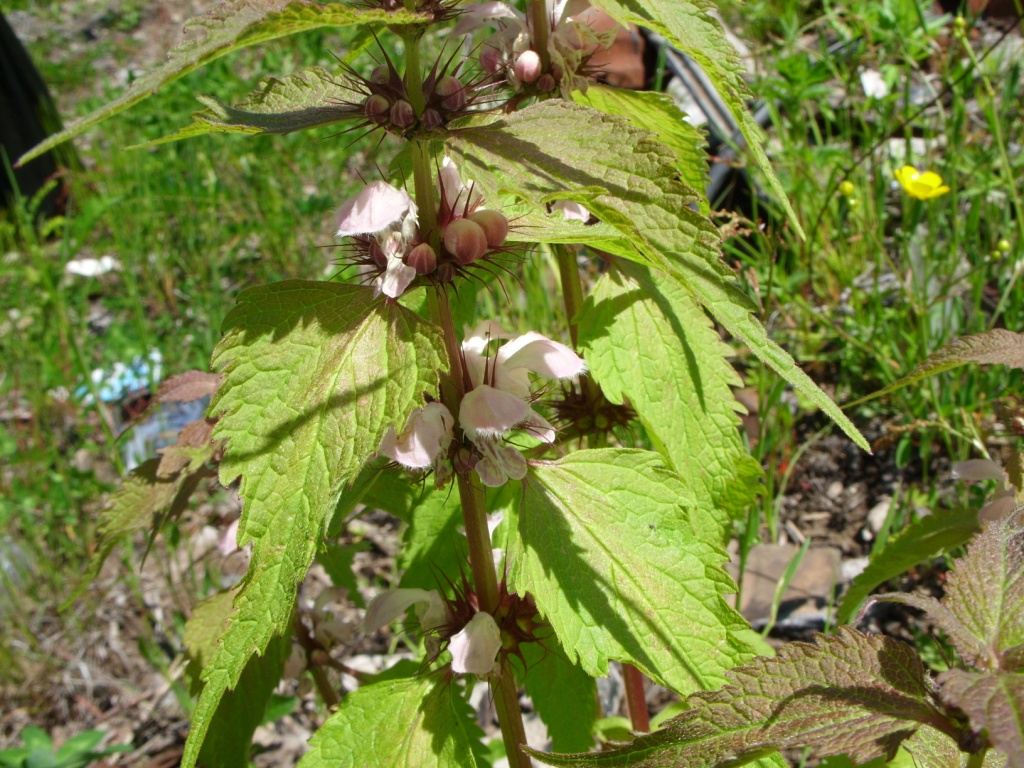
[(499, 464), (490, 412), (428, 433), (475, 649), (541, 355), (377, 206)]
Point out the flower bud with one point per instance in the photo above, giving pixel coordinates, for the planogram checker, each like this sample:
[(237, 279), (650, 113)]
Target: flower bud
[(431, 119), (494, 225), (546, 83), (377, 108), (451, 92), (527, 67), (422, 258), (402, 114), (465, 240), (381, 75)]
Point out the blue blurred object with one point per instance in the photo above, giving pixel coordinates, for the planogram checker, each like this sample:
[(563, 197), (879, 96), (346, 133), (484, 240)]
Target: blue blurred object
[(123, 380), (160, 429)]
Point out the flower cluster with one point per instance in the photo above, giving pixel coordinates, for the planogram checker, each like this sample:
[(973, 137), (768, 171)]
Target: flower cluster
[(497, 400), (511, 54), (382, 221)]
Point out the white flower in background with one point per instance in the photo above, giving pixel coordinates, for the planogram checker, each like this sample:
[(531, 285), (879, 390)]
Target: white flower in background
[(431, 611), (497, 404), (571, 210), (873, 83), (425, 440), (1004, 501), (475, 649), (386, 218)]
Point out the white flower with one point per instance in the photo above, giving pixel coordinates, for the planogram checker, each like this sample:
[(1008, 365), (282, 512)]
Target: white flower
[(475, 649), (386, 216), (497, 404), (873, 83), (571, 210), (452, 189), (425, 440), (431, 611)]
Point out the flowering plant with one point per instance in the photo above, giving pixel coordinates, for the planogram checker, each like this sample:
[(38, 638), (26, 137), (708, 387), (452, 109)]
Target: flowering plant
[(338, 396)]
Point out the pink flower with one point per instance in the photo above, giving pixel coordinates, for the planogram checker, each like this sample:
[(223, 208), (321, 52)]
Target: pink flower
[(425, 440), (387, 217), (497, 404), (475, 649)]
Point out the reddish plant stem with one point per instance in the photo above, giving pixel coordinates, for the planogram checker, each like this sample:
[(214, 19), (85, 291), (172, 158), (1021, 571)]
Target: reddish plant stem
[(636, 700)]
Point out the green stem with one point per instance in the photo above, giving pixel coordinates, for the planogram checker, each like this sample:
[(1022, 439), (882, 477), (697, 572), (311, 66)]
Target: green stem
[(414, 72), (539, 29)]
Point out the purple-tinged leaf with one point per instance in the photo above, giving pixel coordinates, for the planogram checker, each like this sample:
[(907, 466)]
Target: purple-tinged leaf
[(187, 386), (854, 694), (993, 702), (983, 611)]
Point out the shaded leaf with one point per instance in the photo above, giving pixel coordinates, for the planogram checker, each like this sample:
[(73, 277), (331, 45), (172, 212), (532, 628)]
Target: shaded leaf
[(563, 695), (306, 99), (403, 720), (619, 561), (337, 560), (990, 347), (646, 340), (983, 610), (550, 149), (931, 748), (314, 375), (688, 26), (926, 538), (229, 27), (203, 629), (432, 544), (994, 702), (854, 694)]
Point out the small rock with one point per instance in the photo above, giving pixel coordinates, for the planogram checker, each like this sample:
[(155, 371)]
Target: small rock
[(878, 514), (834, 490)]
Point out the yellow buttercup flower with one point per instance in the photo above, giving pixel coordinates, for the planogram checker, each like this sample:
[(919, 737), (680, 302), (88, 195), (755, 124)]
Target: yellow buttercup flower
[(924, 185)]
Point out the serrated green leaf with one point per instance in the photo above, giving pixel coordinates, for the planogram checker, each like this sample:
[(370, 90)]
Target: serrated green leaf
[(647, 340), (658, 113), (923, 539), (563, 695), (606, 545), (854, 694), (993, 701), (314, 375), (983, 610), (690, 28), (551, 148), (337, 560), (998, 346), (414, 721), (306, 99), (228, 27)]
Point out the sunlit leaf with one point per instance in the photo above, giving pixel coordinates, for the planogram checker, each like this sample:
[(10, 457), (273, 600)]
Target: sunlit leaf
[(314, 374), (610, 546)]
